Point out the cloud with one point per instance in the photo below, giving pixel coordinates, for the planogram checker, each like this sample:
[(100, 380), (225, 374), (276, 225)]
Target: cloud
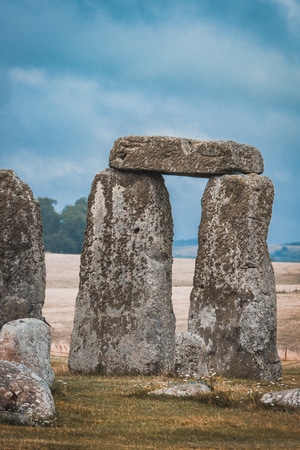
[(59, 112), (194, 52), (77, 74), (291, 9)]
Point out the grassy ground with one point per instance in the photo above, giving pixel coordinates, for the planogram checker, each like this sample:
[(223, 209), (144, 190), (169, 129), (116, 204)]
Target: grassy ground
[(117, 412), (96, 412)]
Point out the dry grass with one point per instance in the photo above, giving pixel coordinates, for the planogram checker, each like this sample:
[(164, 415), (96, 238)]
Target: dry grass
[(287, 273), (288, 324), (96, 412)]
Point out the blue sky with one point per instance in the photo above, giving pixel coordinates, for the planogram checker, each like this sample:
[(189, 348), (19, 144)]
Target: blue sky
[(77, 74)]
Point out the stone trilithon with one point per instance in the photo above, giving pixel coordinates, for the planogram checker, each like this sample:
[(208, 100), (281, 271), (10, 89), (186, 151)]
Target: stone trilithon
[(124, 322)]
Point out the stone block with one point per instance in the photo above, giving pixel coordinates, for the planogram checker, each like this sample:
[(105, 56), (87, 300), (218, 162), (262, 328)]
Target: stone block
[(289, 398), (25, 398), (233, 301), (22, 259), (190, 355), (178, 156), (124, 320), (183, 390), (28, 342)]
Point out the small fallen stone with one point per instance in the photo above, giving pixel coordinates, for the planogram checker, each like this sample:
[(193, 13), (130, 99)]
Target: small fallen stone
[(289, 397), (182, 390), (190, 355), (25, 398)]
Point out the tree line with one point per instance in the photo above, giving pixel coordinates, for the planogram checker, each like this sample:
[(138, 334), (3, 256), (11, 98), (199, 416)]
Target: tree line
[(63, 232)]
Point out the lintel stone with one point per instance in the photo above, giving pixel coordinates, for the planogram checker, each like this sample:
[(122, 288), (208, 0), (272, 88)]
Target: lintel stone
[(181, 156)]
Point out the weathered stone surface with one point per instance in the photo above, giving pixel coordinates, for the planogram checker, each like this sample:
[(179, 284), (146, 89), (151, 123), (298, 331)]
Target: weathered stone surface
[(178, 156), (190, 355), (183, 390), (124, 320), (233, 301), (28, 342), (288, 398), (25, 398), (22, 260)]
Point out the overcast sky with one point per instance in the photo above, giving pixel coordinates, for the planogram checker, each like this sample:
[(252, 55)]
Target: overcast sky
[(77, 74)]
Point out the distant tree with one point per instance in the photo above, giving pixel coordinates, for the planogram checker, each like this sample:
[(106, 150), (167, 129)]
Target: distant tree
[(73, 222), (50, 219), (63, 233)]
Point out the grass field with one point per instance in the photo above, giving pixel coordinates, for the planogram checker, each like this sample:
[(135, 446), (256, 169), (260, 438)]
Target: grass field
[(113, 413)]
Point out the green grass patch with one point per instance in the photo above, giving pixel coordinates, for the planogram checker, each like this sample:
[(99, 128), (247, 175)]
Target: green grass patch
[(100, 412)]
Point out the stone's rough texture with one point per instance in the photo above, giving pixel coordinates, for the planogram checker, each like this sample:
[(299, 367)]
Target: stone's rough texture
[(25, 398), (190, 355), (288, 398), (183, 390), (124, 320), (233, 301), (180, 156), (28, 341), (22, 260)]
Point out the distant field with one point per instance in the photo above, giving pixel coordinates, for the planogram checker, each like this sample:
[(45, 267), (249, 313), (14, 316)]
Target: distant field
[(62, 288)]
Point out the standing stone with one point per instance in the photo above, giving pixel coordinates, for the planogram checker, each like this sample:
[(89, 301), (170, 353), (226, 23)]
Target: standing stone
[(22, 260), (124, 320), (179, 156), (233, 301), (28, 342)]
